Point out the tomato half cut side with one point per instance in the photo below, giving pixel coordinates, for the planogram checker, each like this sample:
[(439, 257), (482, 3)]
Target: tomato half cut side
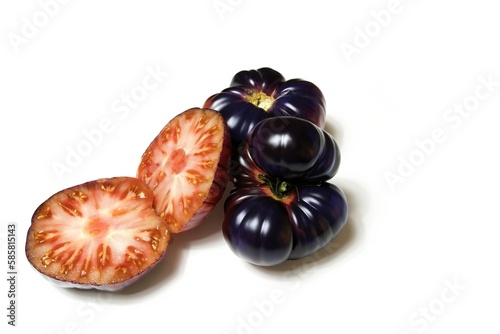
[(187, 167), (103, 234)]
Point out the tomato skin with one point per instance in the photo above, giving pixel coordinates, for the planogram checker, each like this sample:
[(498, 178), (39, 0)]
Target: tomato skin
[(282, 206), (317, 217), (265, 79), (257, 227), (265, 231), (293, 148), (255, 95)]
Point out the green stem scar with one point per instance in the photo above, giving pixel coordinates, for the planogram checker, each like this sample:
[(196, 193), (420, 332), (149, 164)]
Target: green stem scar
[(280, 188), (261, 100)]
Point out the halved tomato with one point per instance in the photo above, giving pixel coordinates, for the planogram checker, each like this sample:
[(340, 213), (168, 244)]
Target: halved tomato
[(187, 167), (102, 234)]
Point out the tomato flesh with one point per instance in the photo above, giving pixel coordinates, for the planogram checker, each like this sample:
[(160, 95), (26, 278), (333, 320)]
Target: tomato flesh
[(101, 234), (187, 167)]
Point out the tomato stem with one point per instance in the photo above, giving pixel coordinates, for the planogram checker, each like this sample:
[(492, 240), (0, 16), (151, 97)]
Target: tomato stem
[(261, 100), (280, 188)]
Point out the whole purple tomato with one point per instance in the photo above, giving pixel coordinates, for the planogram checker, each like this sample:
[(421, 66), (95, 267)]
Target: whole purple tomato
[(282, 206), (255, 95)]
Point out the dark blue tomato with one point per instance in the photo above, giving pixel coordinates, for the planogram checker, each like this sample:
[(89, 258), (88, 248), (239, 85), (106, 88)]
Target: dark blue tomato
[(256, 227), (266, 231), (255, 95), (293, 148), (317, 217), (264, 79), (282, 206)]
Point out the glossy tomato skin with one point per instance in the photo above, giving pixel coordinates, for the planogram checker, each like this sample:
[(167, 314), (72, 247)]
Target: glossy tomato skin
[(265, 231), (293, 148), (282, 206), (257, 227), (255, 95), (317, 217), (264, 79)]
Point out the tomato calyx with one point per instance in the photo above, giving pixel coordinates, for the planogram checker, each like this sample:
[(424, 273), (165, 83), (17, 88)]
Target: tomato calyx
[(261, 100), (280, 189)]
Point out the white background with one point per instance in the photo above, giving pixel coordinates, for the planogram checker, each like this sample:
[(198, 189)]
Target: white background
[(390, 270)]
